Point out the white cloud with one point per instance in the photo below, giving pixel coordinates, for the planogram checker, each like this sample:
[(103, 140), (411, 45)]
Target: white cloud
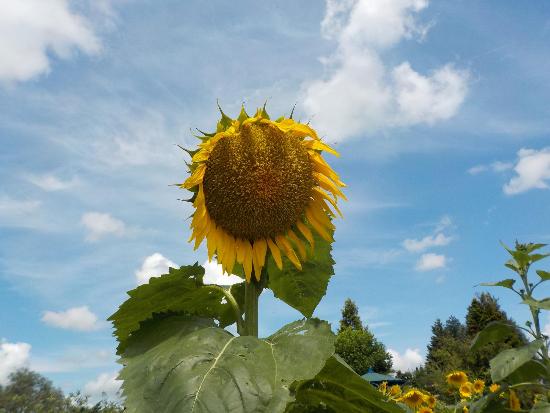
[(416, 245), (431, 261), (153, 266), (50, 183), (532, 169), (214, 274), (444, 223), (105, 385), (360, 93), (407, 361), (32, 30), (15, 212), (73, 359), (100, 224), (76, 318), (13, 356), (495, 167)]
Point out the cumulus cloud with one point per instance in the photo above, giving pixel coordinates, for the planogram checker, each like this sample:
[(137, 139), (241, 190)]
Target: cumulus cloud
[(214, 274), (100, 224), (76, 318), (532, 171), (13, 356), (153, 266), (407, 361), (430, 241), (360, 93), (31, 31), (50, 183), (431, 261), (105, 385)]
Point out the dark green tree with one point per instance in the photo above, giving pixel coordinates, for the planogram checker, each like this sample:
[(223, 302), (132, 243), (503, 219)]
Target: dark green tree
[(358, 346), (30, 392), (350, 316)]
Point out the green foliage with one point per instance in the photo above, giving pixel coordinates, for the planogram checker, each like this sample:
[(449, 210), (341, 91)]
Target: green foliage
[(350, 317), (303, 290), (358, 346), (30, 392), (179, 291), (337, 388), (185, 364)]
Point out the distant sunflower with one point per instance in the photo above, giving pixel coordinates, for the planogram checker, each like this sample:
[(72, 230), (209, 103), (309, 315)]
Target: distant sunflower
[(261, 185), (466, 390), (479, 386), (413, 398), (456, 378)]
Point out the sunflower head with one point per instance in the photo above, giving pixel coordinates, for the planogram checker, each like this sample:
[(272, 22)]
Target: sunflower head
[(395, 390), (457, 378), (466, 390), (383, 387), (425, 409), (493, 388), (479, 386), (261, 186), (413, 398)]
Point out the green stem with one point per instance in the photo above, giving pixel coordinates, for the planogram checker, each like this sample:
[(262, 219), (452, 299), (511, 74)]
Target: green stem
[(251, 295), (252, 292), (231, 300)]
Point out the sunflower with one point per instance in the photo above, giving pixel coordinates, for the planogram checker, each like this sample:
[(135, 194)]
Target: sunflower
[(413, 398), (261, 185), (431, 401), (514, 402), (383, 387), (456, 378), (425, 410), (493, 388), (466, 390), (479, 386), (395, 391)]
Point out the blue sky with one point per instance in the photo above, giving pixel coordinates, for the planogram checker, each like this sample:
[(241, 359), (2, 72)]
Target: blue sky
[(439, 110)]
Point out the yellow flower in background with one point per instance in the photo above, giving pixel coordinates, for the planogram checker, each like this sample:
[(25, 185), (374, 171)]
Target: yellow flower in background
[(425, 410), (493, 388), (457, 378), (261, 185), (395, 390), (479, 386), (513, 400), (465, 409), (383, 387), (466, 390), (413, 398), (431, 401)]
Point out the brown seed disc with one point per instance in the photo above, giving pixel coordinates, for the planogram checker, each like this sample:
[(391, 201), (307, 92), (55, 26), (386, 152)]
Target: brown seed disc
[(258, 182)]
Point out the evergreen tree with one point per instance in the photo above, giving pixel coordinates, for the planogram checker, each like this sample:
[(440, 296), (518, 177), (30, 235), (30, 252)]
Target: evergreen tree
[(358, 346), (350, 317)]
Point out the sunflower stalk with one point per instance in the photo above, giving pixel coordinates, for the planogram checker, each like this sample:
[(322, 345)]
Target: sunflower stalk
[(251, 298)]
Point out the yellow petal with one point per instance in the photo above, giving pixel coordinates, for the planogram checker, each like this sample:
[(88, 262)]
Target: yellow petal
[(320, 165), (319, 146), (327, 197), (321, 230), (196, 178), (276, 253), (283, 244), (211, 242), (306, 233), (327, 184), (240, 250), (229, 257), (247, 261), (201, 155), (298, 243)]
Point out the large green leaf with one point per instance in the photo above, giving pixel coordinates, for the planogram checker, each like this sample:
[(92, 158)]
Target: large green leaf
[(541, 407), (340, 389), (304, 289), (508, 361), (493, 332), (507, 283), (181, 290), (173, 365), (542, 304), (532, 371)]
